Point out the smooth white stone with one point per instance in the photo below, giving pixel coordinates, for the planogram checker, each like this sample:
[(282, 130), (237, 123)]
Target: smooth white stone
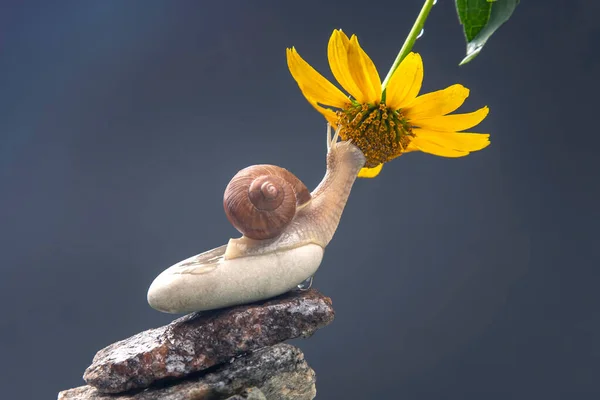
[(208, 281)]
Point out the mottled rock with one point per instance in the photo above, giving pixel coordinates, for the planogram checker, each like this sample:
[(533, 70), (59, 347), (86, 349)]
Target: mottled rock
[(277, 372), (201, 340), (249, 394)]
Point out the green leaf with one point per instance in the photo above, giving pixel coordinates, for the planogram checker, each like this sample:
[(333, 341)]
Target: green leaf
[(480, 19), (473, 15)]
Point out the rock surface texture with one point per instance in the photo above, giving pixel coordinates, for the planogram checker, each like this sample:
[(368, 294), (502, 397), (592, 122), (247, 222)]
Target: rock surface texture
[(249, 394), (273, 373), (203, 340)]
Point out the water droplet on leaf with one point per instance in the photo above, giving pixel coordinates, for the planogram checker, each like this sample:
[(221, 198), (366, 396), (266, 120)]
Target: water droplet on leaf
[(421, 33)]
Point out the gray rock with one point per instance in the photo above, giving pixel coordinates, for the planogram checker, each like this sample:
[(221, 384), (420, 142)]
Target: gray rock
[(273, 373), (249, 394), (202, 340)]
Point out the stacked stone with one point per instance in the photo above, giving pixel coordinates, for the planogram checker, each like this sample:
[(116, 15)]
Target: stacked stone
[(233, 353)]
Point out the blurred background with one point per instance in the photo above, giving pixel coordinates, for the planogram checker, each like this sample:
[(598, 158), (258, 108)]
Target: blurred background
[(121, 123)]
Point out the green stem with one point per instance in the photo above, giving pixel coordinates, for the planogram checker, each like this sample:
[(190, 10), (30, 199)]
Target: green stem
[(410, 40)]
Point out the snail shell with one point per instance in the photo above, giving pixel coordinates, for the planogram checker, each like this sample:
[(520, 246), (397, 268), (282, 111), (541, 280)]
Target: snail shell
[(261, 200)]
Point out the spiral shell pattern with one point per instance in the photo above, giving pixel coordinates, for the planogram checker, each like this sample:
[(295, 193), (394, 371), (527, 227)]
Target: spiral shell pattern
[(261, 200)]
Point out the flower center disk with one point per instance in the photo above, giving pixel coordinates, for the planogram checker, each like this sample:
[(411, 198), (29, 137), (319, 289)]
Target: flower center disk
[(378, 131)]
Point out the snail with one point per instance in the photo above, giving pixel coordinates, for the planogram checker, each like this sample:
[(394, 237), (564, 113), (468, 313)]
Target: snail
[(285, 229), (261, 200)]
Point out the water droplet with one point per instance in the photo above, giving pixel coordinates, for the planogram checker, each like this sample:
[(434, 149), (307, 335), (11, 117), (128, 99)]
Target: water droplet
[(306, 284), (421, 33), (434, 2)]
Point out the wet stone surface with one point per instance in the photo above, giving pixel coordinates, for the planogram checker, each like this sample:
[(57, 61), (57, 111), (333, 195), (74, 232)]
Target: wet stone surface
[(275, 373), (199, 341)]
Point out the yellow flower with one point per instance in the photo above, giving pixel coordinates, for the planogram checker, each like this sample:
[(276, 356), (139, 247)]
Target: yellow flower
[(384, 124)]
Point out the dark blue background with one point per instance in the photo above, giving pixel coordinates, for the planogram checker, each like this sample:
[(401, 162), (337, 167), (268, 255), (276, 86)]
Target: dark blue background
[(121, 123)]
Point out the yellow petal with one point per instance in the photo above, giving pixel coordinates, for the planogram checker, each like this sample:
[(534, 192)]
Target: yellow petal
[(437, 103), (329, 114), (432, 148), (405, 83), (452, 123), (312, 84), (337, 53), (449, 144), (370, 172), (363, 73), (409, 148)]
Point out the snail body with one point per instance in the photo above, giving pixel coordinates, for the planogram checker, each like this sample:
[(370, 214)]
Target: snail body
[(316, 220), (285, 231)]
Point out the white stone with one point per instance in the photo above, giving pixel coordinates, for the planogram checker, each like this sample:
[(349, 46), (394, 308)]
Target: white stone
[(208, 281)]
